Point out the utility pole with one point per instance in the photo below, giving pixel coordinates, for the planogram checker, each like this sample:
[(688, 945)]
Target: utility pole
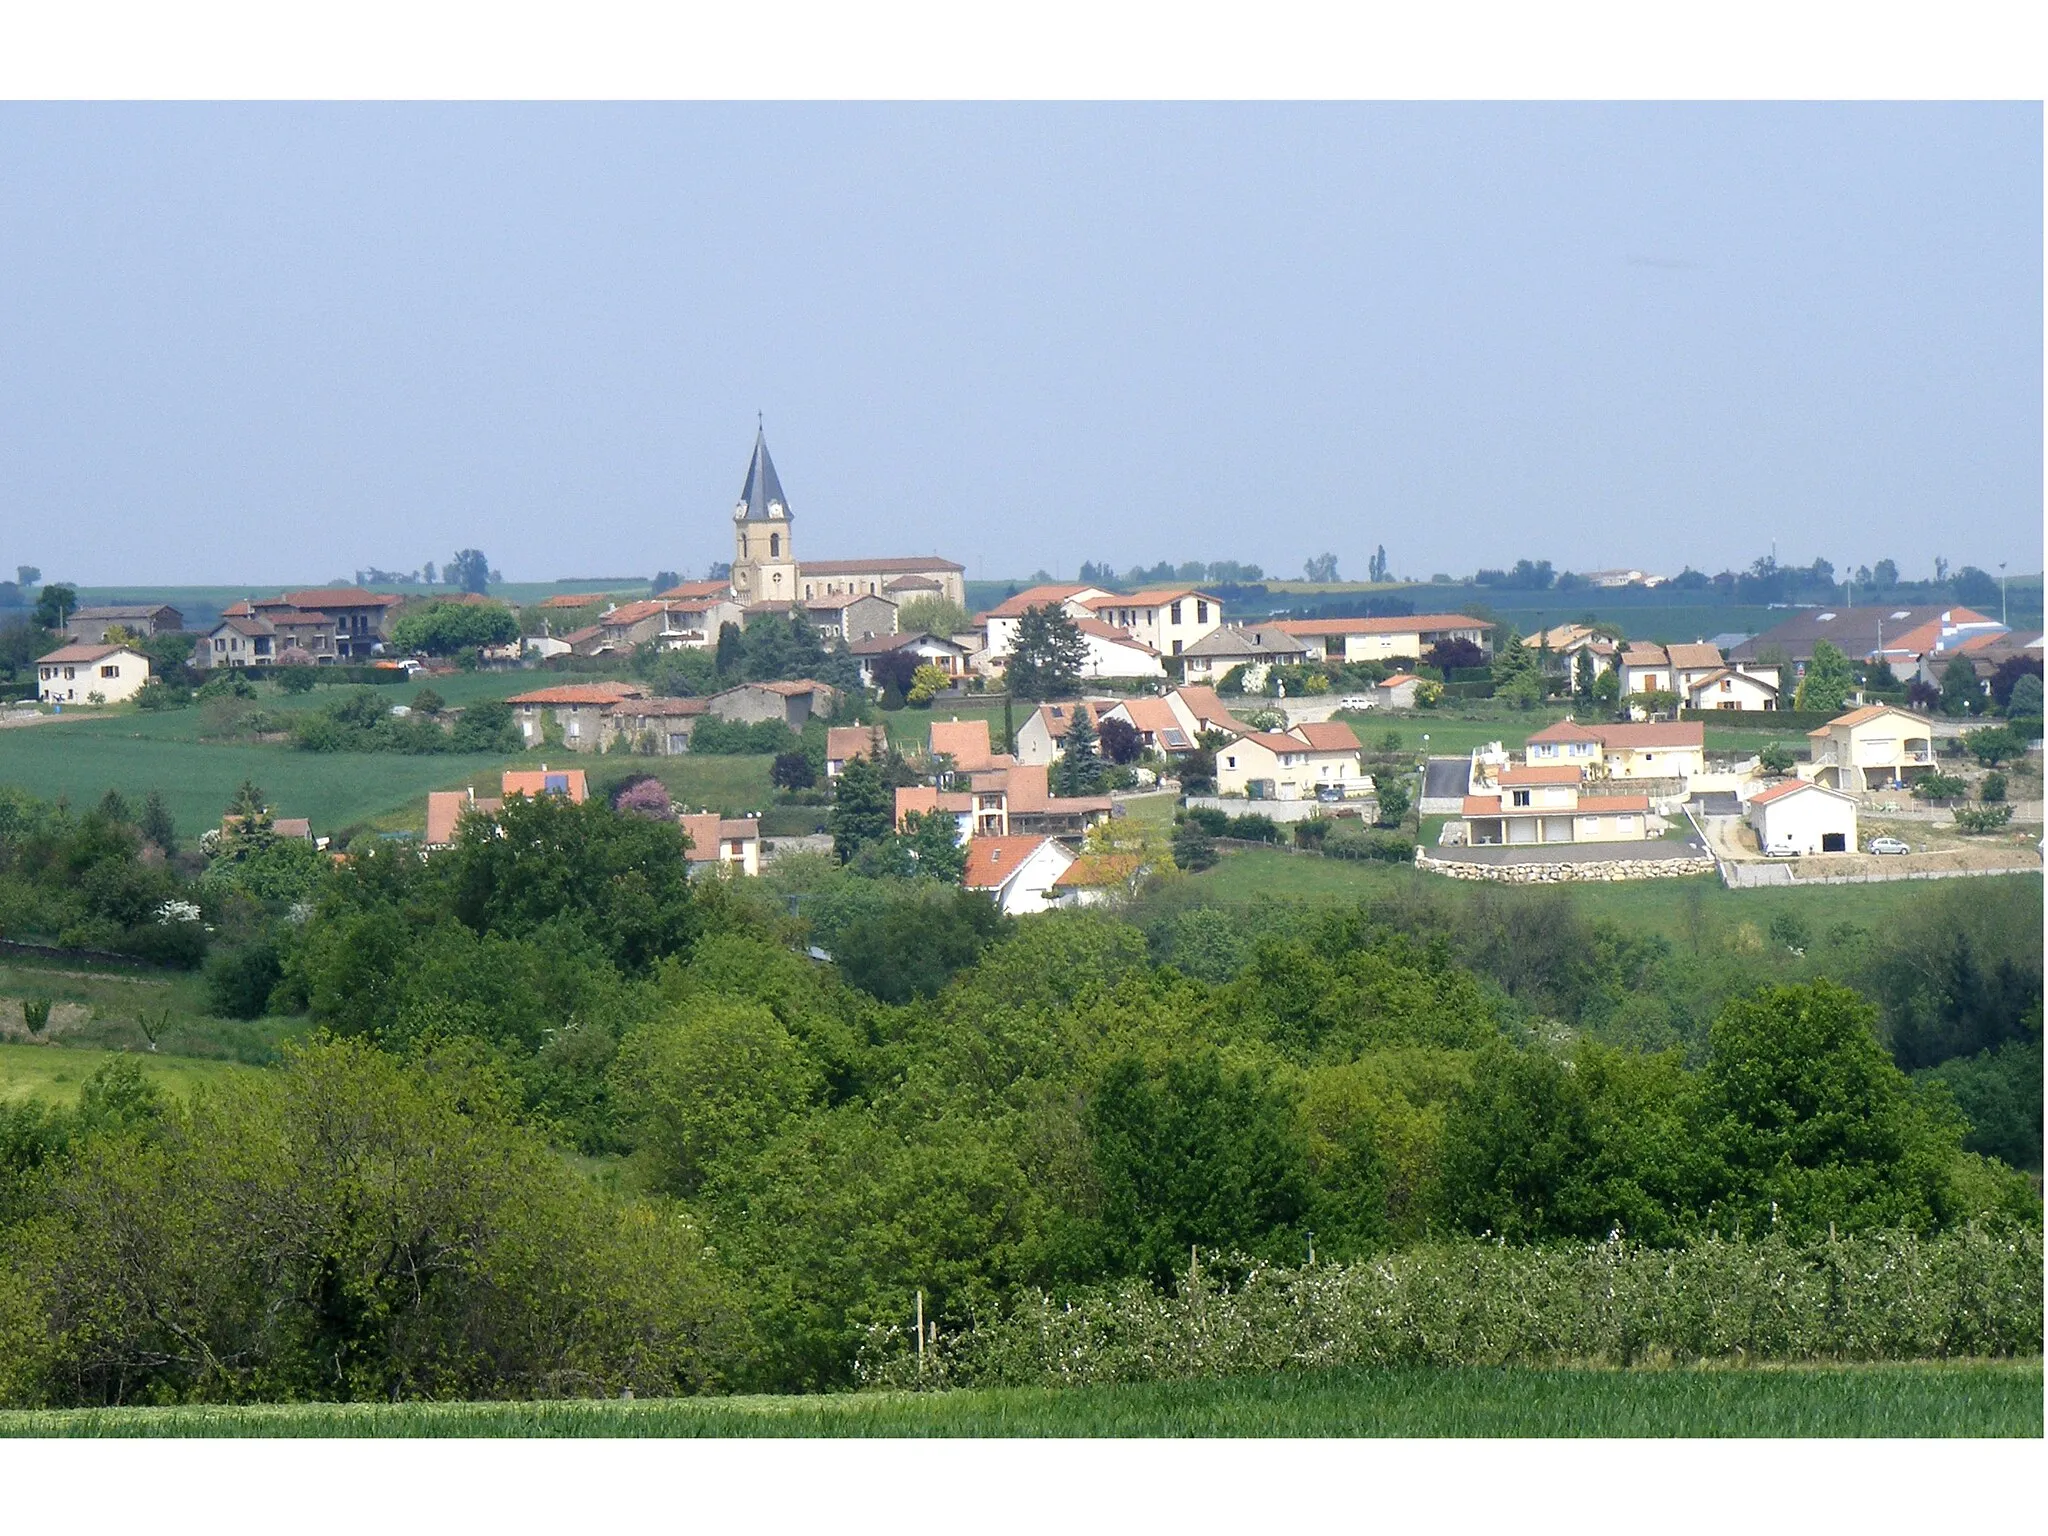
[(2001, 592)]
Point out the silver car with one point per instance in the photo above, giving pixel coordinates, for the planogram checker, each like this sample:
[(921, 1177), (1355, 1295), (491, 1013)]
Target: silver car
[(1886, 845)]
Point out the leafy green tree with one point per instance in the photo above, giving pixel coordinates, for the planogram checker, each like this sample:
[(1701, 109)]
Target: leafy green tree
[(932, 616), (863, 809), (1395, 797), (1776, 757), (1607, 687), (2024, 702), (1194, 848), (55, 604), (1993, 744), (1080, 767), (731, 659), (1812, 1122), (156, 825), (486, 726), (1992, 790), (470, 570), (933, 842), (707, 1084), (1828, 682), (1048, 654), (1321, 568), (792, 770), (1961, 692), (1583, 677), (443, 628), (916, 941), (1193, 1153)]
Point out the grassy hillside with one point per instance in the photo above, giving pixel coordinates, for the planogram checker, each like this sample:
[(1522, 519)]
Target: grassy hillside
[(55, 1075), (1975, 1399)]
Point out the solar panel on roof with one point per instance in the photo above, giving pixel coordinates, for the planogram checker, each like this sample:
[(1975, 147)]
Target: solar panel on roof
[(1173, 738)]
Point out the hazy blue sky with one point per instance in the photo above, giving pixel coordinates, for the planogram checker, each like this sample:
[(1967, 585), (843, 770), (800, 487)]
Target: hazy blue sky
[(260, 344)]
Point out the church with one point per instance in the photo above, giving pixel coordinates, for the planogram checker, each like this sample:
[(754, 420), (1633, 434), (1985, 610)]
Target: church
[(765, 568)]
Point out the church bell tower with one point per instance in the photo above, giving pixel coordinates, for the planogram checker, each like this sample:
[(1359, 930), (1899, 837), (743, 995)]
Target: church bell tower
[(764, 557)]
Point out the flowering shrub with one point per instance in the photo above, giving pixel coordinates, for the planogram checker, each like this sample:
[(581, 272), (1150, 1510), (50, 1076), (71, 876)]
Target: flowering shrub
[(1876, 1296)]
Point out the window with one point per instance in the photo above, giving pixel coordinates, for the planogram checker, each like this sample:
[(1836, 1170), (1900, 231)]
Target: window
[(1521, 797), (555, 783), (1176, 647), (1230, 762), (110, 671), (1173, 614), (1201, 611)]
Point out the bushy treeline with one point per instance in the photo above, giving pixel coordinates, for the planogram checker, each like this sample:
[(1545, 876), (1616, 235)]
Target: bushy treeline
[(91, 881), (361, 721), (834, 1092), (1882, 1296)]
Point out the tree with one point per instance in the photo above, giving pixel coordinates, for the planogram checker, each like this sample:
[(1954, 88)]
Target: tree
[(1516, 676), (470, 570), (2024, 702), (1047, 657), (26, 576), (1079, 770), (1993, 744), (1828, 682), (932, 839), (486, 726), (1812, 1122), (443, 628), (2008, 675), (55, 604), (1961, 693), (1975, 588), (927, 682), (1459, 654), (1195, 1153), (916, 942), (156, 825), (730, 663), (931, 616), (863, 809), (1121, 742), (1376, 568), (1394, 798), (1321, 567), (1776, 757), (1194, 849), (1885, 574), (1584, 674)]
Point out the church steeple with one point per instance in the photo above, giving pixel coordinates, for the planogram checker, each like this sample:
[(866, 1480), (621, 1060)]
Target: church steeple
[(764, 561), (761, 498)]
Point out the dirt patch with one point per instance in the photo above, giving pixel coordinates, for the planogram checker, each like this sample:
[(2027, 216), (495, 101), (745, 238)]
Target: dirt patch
[(65, 1018)]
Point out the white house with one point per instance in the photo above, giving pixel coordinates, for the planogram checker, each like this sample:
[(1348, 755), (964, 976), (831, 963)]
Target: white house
[(1730, 688), (1411, 635), (1803, 817), (1043, 736), (73, 674), (1020, 873), (1876, 745), (1671, 749), (1112, 652), (1168, 620), (1545, 805), (723, 842)]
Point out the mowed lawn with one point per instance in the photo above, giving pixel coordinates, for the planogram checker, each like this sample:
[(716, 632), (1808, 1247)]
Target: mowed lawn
[(54, 1074), (1668, 907), (1948, 1399)]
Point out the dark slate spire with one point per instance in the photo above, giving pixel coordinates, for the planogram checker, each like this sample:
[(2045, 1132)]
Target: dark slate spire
[(762, 487)]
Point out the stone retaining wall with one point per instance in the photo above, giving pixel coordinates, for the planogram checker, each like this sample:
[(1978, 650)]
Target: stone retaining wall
[(1558, 874)]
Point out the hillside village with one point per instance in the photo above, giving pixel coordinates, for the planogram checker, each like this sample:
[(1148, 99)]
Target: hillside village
[(1112, 701)]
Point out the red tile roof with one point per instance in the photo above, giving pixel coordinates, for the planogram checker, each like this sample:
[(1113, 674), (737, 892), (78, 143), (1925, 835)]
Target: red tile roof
[(1094, 870), (907, 563), (965, 741), (1328, 736), (1033, 597), (1780, 791), (1563, 773), (1111, 632), (533, 783), (1482, 805), (698, 589), (580, 693), (338, 597), (1871, 712), (660, 707), (844, 743), (1613, 805), (991, 861), (576, 600), (83, 653)]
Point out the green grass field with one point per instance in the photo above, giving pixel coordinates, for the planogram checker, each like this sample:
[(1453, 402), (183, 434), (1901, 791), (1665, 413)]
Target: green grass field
[(1954, 1399), (54, 1074), (1662, 906)]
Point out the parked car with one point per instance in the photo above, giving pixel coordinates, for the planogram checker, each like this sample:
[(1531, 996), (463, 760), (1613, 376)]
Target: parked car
[(1886, 845), (1781, 851)]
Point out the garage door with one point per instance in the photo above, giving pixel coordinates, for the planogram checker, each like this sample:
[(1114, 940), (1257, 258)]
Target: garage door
[(1834, 842)]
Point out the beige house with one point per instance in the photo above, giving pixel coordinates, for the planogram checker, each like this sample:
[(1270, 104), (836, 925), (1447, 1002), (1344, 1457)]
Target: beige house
[(1409, 636), (847, 743), (1213, 657), (90, 674), (1672, 749), (657, 725), (1549, 805), (1301, 764), (792, 703), (91, 626), (1043, 736), (1869, 748), (723, 843)]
